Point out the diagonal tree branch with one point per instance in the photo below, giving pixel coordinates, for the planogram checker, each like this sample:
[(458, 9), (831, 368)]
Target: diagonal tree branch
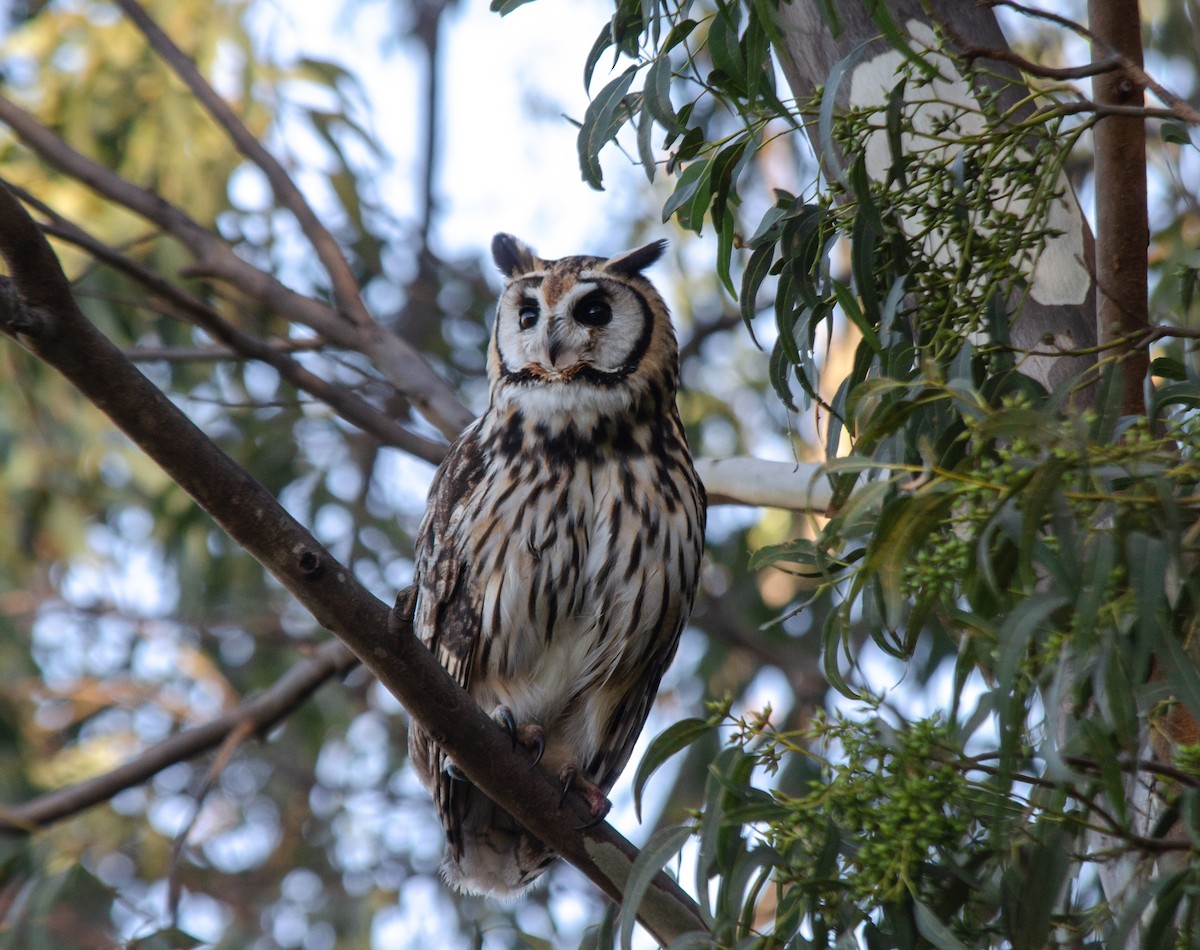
[(343, 401), (259, 714), (345, 287), (401, 364), (39, 310)]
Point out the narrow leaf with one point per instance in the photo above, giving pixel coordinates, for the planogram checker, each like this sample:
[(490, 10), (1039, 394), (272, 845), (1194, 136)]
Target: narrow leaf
[(777, 372), (691, 195), (756, 271), (935, 930), (600, 125), (1110, 394), (679, 32), (829, 154), (657, 91), (505, 7), (1182, 674), (666, 744), (603, 42), (645, 147), (851, 309), (724, 49), (662, 846), (726, 226), (724, 175), (887, 26)]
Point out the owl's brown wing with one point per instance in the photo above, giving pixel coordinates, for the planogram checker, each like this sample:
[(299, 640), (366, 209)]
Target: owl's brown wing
[(448, 614), (629, 716)]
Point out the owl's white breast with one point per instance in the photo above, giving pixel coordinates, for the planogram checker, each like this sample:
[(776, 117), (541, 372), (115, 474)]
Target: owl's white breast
[(585, 572), (567, 400)]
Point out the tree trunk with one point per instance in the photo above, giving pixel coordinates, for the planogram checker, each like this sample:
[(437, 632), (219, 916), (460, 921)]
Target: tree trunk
[(1121, 222)]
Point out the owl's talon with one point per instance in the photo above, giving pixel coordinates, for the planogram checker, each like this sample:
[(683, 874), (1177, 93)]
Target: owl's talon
[(567, 778), (597, 802), (504, 717), (454, 772), (531, 736), (597, 820), (537, 745)]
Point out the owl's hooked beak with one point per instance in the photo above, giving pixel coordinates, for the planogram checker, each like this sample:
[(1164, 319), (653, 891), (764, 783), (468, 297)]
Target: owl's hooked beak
[(552, 345)]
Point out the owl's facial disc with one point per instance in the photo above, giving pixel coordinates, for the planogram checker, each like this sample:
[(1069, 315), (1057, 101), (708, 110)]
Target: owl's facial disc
[(594, 329)]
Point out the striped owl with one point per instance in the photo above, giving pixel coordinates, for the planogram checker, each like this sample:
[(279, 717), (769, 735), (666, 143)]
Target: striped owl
[(560, 551)]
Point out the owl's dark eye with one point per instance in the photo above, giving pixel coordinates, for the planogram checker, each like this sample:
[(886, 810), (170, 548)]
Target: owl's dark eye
[(593, 311), (528, 315)]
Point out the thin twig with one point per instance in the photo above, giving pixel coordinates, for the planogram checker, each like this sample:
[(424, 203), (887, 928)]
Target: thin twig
[(1115, 828), (1105, 109), (399, 362), (1041, 15), (703, 331), (237, 736), (257, 714), (212, 354), (344, 402), (345, 287)]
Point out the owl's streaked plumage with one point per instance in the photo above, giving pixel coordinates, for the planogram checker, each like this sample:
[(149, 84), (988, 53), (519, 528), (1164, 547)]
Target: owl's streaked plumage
[(560, 552)]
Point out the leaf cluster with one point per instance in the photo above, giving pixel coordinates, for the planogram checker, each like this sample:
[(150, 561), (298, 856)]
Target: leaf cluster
[(1037, 546)]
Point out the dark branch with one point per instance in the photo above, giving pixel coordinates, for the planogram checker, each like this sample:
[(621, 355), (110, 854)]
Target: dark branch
[(257, 714), (384, 640), (972, 53)]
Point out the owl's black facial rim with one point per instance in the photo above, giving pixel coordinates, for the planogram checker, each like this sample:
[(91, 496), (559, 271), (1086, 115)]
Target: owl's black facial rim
[(585, 374)]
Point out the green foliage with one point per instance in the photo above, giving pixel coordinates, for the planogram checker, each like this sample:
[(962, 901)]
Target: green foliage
[(1038, 546)]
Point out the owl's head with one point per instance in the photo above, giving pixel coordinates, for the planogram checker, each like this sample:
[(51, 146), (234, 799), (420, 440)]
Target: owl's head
[(579, 334)]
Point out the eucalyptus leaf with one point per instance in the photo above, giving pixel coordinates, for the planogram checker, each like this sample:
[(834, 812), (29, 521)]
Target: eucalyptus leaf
[(672, 740)]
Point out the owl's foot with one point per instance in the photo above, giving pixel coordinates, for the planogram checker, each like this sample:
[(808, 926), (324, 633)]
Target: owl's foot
[(532, 737), (529, 735), (453, 771), (597, 802)]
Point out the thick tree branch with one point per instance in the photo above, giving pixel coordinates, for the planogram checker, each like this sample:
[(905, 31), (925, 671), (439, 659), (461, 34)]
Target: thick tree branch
[(51, 326), (742, 480)]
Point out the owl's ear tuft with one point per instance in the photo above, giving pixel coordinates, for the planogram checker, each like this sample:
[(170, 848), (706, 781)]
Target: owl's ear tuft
[(512, 256), (634, 262)]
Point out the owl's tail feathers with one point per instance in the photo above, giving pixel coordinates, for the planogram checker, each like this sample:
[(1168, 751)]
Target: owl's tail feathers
[(491, 853)]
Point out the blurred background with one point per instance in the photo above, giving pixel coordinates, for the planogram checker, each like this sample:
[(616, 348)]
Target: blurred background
[(417, 130)]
